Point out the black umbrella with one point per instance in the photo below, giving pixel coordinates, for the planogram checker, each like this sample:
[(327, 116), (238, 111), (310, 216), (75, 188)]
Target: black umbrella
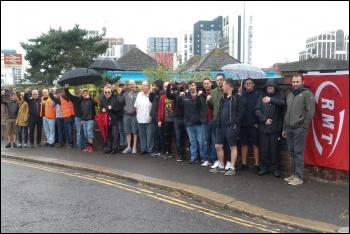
[(106, 65), (79, 76)]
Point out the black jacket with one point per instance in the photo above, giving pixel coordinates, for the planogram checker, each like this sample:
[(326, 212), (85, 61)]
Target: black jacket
[(273, 110), (154, 99), (249, 118), (178, 110), (238, 104), (12, 108), (88, 111), (114, 112), (191, 108), (34, 105)]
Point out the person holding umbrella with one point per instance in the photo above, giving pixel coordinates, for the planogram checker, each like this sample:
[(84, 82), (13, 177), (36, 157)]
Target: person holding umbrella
[(111, 106)]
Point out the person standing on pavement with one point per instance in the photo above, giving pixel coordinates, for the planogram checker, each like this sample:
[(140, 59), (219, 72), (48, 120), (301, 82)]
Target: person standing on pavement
[(67, 109), (88, 118), (120, 91), (249, 133), (35, 120), (191, 103), (111, 105), (165, 120), (144, 120), (59, 120), (48, 113), (213, 101), (300, 111), (178, 116), (76, 100), (206, 119), (156, 93), (129, 118), (22, 122), (269, 109), (232, 106), (12, 113)]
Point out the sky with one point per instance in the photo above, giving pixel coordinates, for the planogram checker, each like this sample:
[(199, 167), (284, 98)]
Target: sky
[(280, 29)]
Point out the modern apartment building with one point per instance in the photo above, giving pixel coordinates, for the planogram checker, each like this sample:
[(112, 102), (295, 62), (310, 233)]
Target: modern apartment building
[(184, 48), (161, 44), (237, 37), (207, 35), (332, 45)]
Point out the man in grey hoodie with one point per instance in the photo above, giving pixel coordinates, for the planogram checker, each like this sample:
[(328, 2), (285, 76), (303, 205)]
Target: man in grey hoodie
[(300, 111)]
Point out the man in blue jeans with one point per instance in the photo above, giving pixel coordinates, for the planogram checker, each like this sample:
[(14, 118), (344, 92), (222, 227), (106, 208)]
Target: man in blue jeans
[(191, 103)]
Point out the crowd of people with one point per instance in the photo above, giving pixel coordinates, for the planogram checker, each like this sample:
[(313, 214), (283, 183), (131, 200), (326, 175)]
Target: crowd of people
[(215, 121)]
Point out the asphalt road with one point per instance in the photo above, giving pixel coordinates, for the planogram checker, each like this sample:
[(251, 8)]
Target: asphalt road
[(42, 198)]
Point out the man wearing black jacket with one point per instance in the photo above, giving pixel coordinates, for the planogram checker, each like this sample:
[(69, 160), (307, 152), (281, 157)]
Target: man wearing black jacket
[(232, 106), (35, 120), (111, 105), (269, 109), (178, 116)]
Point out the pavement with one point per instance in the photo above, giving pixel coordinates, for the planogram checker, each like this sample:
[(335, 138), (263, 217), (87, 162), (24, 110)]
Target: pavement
[(315, 205)]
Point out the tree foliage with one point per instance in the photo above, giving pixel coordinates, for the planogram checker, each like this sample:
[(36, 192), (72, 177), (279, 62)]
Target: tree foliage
[(159, 73), (50, 55)]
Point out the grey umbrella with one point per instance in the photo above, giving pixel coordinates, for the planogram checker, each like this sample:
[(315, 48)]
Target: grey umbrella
[(79, 76), (106, 65)]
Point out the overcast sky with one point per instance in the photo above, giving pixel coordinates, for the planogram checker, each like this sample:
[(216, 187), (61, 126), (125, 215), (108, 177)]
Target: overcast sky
[(280, 29)]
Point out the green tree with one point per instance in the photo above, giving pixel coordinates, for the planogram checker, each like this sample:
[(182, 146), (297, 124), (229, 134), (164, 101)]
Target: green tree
[(50, 55), (160, 72)]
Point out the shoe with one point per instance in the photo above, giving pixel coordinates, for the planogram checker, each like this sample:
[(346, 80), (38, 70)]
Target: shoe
[(107, 151), (194, 161), (80, 148), (25, 145), (14, 145), (243, 167), (91, 149), (60, 145), (127, 150), (155, 154), (206, 163), (8, 145), (276, 173), (19, 145), (230, 171), (121, 147), (215, 165), (134, 150), (31, 145), (218, 169), (263, 171), (46, 144), (38, 145), (228, 166), (167, 155), (51, 145), (290, 178), (179, 158), (143, 153), (114, 151), (86, 149), (70, 146), (256, 169), (295, 181)]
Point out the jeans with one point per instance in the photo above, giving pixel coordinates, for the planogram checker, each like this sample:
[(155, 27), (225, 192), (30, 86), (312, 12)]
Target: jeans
[(159, 146), (195, 133), (146, 136), (19, 133), (68, 127), (61, 130), (207, 141), (121, 132), (296, 144), (179, 129), (49, 128), (37, 121), (81, 139)]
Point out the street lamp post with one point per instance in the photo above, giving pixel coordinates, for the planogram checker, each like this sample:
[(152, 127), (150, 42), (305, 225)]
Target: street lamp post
[(42, 70)]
